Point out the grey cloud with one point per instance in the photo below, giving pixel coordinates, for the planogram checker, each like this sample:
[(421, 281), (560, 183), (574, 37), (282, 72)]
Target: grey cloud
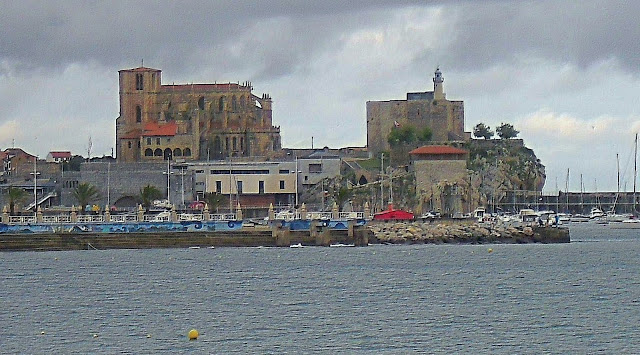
[(576, 32)]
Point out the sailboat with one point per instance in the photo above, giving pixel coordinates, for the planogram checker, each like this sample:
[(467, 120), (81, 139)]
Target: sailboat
[(633, 222)]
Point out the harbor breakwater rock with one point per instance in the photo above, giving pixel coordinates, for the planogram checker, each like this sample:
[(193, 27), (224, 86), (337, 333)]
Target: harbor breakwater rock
[(463, 233)]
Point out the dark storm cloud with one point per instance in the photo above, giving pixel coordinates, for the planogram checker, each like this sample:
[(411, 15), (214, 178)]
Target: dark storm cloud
[(575, 32), (52, 34)]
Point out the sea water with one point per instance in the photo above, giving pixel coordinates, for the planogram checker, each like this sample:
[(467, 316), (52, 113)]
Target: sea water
[(582, 297)]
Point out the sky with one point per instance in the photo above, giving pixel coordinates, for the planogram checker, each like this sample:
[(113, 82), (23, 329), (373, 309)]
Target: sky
[(566, 74)]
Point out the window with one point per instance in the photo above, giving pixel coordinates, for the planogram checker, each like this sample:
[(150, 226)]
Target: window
[(201, 103), (177, 152), (234, 103), (284, 171), (157, 152), (157, 141), (199, 171), (221, 104), (187, 152), (261, 187), (241, 143), (138, 114), (226, 143), (138, 144), (235, 145), (218, 186), (281, 184), (148, 152), (129, 144), (148, 141), (239, 187), (315, 168), (139, 82)]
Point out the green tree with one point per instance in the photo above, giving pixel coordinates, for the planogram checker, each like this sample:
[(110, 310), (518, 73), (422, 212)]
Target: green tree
[(402, 135), (506, 131), (425, 134), (148, 194), (480, 130), (213, 200), (85, 194), (15, 195)]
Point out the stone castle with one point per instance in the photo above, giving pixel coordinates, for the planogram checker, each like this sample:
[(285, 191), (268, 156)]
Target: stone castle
[(191, 121), (430, 109)]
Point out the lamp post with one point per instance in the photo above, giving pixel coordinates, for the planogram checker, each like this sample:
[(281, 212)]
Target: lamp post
[(168, 173), (35, 174)]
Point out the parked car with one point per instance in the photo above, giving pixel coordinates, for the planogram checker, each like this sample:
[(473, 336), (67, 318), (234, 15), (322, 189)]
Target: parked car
[(431, 215)]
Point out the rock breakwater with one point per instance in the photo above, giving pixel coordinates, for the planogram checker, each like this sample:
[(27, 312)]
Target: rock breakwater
[(463, 233)]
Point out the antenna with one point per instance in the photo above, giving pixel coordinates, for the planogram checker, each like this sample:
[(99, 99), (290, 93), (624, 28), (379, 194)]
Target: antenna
[(89, 149), (142, 63)]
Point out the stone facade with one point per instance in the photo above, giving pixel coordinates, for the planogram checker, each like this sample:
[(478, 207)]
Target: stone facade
[(191, 121), (430, 109), (441, 179)]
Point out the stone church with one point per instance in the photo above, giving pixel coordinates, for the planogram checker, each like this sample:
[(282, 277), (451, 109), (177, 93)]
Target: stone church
[(430, 109), (191, 121)]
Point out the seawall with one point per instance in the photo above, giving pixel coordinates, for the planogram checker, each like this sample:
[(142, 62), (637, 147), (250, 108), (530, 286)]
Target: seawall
[(463, 232)]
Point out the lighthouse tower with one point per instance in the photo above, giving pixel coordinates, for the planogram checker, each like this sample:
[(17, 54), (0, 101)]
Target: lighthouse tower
[(438, 79)]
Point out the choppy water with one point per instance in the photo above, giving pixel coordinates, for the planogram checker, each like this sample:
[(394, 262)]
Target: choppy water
[(582, 297)]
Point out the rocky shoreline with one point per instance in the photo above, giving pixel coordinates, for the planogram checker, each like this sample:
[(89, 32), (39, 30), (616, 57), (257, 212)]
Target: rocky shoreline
[(441, 232)]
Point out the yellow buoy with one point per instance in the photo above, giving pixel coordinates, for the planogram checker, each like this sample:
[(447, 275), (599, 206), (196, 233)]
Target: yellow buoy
[(193, 334), (490, 250)]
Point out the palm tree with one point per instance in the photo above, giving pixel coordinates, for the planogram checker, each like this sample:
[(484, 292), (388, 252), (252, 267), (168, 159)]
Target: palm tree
[(85, 194), (14, 196), (148, 194), (213, 200)]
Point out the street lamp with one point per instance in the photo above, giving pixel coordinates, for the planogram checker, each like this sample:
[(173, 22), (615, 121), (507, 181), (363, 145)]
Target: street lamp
[(35, 174), (168, 173)]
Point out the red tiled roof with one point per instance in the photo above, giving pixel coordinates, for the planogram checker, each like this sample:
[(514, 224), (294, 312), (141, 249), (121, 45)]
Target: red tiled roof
[(153, 129), (60, 154), (437, 150)]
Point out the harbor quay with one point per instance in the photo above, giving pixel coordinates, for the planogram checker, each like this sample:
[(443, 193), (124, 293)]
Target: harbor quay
[(173, 230)]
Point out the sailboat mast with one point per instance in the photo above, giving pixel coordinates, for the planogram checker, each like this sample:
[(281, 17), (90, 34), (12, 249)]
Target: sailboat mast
[(635, 172), (566, 189)]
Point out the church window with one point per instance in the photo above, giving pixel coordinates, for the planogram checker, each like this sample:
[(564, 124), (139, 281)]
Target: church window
[(201, 103), (187, 152), (138, 114), (234, 103), (139, 82), (221, 104), (148, 152), (241, 101)]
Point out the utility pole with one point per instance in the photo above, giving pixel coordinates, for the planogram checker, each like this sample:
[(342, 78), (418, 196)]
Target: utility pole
[(381, 181)]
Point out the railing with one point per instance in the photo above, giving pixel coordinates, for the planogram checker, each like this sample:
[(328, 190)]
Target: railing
[(319, 215), (222, 217), (124, 218), (351, 215), (161, 217), (56, 219), (90, 218), (22, 219), (190, 217)]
